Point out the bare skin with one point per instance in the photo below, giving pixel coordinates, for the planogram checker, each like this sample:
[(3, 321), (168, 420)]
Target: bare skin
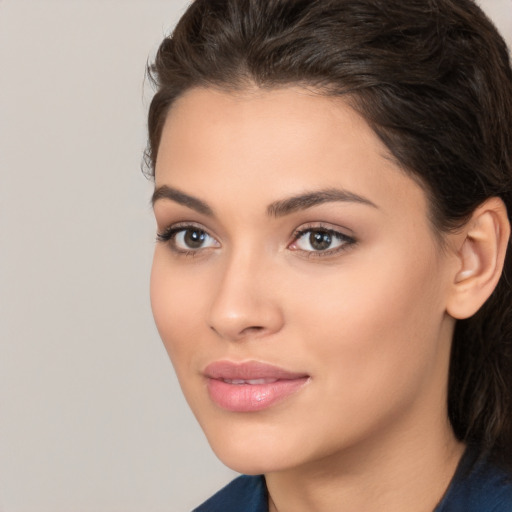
[(365, 314)]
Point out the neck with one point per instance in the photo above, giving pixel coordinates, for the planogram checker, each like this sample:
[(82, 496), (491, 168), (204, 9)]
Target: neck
[(408, 470)]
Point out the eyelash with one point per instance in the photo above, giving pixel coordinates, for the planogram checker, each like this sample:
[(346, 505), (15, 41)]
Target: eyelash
[(170, 233), (346, 241), (169, 236)]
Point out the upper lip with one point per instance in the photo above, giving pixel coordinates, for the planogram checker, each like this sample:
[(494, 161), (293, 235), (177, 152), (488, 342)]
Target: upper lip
[(249, 370)]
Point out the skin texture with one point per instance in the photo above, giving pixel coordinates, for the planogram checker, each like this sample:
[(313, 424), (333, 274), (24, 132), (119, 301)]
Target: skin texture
[(368, 323)]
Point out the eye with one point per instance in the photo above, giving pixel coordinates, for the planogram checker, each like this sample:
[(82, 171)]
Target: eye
[(320, 240), (187, 239)]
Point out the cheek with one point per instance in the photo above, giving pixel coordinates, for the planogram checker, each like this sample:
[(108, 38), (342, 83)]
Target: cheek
[(176, 305), (375, 326)]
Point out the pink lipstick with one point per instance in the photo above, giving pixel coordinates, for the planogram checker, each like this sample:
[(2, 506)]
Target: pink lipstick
[(250, 386)]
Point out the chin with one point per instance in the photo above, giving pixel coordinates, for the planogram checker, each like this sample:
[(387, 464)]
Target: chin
[(251, 449), (249, 462)]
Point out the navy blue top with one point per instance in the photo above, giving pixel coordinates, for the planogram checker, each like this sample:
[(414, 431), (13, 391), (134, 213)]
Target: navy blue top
[(477, 486)]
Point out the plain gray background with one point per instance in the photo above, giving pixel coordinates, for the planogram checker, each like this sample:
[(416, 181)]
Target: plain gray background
[(91, 415)]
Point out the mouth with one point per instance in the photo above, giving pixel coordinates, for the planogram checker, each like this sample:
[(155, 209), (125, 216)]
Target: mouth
[(251, 386)]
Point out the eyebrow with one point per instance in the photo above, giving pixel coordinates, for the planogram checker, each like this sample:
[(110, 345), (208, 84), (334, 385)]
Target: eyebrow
[(310, 199), (276, 209), (166, 192)]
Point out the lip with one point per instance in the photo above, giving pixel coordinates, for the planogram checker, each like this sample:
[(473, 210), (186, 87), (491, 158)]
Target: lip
[(250, 386)]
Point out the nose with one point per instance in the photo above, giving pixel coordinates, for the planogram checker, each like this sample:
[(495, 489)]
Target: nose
[(245, 302)]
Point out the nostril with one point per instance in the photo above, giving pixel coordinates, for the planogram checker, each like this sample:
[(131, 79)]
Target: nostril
[(247, 331), (234, 315), (252, 329)]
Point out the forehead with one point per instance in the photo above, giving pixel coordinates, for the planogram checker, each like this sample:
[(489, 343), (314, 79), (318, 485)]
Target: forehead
[(264, 144)]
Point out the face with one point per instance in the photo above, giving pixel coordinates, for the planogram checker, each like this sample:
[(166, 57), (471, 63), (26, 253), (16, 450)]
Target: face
[(297, 283)]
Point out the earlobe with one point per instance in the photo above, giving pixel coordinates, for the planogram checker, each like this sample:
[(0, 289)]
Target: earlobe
[(480, 258)]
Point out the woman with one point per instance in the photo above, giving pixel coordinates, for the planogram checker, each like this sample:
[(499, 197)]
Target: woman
[(332, 181)]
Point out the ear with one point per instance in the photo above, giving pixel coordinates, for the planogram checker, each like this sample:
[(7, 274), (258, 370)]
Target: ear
[(480, 254)]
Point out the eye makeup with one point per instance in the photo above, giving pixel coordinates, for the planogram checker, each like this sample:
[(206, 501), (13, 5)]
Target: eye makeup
[(187, 238), (319, 241), (312, 240)]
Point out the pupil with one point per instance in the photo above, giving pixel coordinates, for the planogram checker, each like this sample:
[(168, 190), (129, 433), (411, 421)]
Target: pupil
[(194, 238), (320, 240)]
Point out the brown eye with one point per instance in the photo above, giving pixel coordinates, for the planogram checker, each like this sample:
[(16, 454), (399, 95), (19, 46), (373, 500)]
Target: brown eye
[(320, 240), (194, 238), (185, 239)]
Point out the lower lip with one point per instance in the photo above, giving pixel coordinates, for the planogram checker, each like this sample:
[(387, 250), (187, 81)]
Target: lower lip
[(252, 397)]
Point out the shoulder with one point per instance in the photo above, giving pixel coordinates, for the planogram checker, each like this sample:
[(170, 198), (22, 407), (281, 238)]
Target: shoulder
[(478, 486), (244, 494)]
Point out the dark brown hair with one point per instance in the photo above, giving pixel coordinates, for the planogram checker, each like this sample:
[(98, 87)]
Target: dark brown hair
[(433, 80)]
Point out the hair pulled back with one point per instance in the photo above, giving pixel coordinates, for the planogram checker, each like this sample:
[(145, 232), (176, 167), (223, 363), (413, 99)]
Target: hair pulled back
[(433, 80)]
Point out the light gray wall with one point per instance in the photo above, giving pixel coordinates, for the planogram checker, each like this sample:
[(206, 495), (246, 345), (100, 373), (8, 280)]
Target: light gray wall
[(91, 416)]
